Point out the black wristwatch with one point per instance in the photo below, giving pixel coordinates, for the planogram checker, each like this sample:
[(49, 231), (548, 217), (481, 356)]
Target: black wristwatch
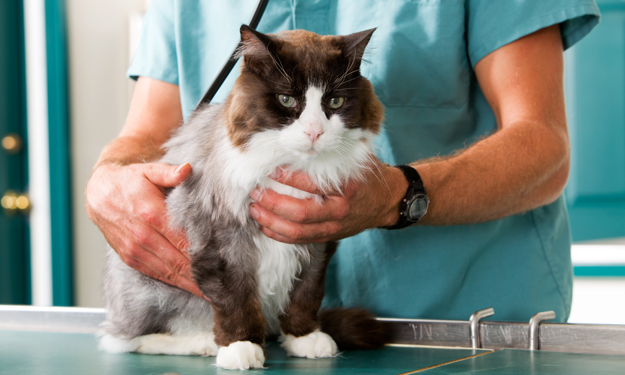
[(415, 204)]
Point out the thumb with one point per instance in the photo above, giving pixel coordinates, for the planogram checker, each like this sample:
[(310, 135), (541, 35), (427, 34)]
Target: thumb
[(165, 175)]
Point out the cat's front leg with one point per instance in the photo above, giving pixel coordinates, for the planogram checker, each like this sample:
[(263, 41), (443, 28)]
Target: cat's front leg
[(301, 332), (239, 332), (239, 325)]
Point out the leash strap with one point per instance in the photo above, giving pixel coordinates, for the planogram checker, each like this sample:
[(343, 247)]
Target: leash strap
[(227, 68)]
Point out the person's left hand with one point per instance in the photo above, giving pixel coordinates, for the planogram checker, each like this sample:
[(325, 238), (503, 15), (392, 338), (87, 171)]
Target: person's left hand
[(368, 203)]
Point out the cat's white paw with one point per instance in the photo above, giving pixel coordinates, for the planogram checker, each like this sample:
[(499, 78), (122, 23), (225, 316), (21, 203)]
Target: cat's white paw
[(114, 344), (314, 345), (199, 344), (240, 355)]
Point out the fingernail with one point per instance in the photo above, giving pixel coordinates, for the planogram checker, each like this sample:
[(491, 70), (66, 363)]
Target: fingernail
[(255, 195), (276, 174), (177, 170), (254, 213)]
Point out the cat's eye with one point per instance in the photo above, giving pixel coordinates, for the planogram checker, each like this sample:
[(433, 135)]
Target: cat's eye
[(335, 103), (287, 101)]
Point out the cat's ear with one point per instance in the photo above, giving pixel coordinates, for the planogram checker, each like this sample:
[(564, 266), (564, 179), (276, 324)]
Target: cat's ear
[(355, 44), (256, 49)]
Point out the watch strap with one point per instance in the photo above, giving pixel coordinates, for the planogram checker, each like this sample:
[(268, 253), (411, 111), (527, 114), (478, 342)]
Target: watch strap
[(415, 187)]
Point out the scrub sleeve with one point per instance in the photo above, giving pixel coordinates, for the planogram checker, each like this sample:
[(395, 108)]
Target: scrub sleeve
[(156, 54)]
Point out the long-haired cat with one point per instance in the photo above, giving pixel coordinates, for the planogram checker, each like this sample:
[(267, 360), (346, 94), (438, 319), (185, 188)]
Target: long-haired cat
[(299, 103)]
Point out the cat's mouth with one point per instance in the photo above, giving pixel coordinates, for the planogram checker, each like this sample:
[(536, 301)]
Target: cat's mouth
[(312, 151)]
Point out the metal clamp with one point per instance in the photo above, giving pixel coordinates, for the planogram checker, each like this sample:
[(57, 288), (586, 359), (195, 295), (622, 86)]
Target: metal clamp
[(474, 325), (535, 325)]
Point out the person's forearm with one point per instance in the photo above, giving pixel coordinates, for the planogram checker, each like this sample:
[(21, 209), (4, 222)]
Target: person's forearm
[(519, 168), (126, 150)]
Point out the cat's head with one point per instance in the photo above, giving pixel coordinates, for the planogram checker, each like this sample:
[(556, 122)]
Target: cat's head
[(303, 93)]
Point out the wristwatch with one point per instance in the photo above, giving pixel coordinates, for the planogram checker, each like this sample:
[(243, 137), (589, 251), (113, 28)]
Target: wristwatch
[(415, 203)]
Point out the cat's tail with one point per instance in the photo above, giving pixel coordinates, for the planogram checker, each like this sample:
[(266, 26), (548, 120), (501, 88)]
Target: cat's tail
[(353, 328)]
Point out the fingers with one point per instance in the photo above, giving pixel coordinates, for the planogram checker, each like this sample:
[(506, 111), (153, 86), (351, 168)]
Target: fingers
[(287, 231), (162, 247), (152, 266), (153, 255), (165, 175), (176, 237), (291, 220), (154, 214), (275, 236), (362, 203), (128, 206), (300, 210), (154, 243), (149, 252), (300, 181)]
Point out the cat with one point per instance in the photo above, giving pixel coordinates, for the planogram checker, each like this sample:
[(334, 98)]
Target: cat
[(300, 103)]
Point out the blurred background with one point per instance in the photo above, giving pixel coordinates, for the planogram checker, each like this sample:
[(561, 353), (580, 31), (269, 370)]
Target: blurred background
[(64, 95)]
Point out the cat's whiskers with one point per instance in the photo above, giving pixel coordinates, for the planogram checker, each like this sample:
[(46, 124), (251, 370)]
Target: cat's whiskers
[(371, 164), (279, 65), (279, 84), (336, 85), (270, 142), (347, 71), (349, 80), (294, 68), (328, 187), (339, 81)]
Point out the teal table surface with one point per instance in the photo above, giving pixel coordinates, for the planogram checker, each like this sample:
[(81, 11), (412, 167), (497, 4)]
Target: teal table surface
[(73, 353), (517, 362)]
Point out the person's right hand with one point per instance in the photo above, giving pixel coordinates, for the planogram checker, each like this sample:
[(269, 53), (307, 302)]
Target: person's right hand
[(127, 203)]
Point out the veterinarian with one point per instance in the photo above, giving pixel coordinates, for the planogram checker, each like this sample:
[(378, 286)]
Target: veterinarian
[(474, 102)]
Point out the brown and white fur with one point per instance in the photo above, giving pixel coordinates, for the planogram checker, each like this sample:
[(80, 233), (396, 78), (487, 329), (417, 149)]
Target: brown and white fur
[(256, 285)]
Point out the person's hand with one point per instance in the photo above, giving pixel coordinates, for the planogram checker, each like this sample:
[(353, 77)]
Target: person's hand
[(127, 203), (368, 203)]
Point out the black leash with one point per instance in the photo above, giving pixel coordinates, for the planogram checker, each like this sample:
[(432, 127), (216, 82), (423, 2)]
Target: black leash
[(227, 68)]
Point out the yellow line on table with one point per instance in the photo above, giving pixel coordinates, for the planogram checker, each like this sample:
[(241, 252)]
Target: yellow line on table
[(446, 363)]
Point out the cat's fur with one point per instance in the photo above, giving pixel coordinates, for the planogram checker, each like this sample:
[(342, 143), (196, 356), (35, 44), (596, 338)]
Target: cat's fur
[(256, 285)]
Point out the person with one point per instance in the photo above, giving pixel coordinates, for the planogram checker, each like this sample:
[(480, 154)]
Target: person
[(473, 91)]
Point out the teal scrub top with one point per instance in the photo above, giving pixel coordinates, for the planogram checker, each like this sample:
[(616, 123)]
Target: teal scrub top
[(421, 61)]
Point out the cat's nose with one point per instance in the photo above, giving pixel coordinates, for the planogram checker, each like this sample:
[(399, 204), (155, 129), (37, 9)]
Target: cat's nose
[(313, 134)]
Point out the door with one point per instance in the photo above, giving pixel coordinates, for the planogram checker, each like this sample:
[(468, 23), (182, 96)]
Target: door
[(14, 264)]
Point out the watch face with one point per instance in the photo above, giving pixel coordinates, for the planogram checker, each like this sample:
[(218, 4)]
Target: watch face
[(418, 207)]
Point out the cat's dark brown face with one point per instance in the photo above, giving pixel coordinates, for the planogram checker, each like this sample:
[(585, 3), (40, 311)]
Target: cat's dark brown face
[(304, 88)]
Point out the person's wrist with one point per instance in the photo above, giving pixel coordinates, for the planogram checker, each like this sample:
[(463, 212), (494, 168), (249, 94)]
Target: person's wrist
[(414, 203), (398, 186)]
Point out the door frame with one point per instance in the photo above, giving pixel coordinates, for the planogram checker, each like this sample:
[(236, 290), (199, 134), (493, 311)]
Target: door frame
[(49, 165), (59, 141)]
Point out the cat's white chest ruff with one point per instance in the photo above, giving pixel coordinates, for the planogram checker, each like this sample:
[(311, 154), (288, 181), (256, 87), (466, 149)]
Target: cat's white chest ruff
[(278, 265)]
